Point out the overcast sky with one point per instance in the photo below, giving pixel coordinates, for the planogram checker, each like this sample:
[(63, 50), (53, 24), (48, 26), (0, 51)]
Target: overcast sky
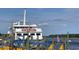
[(52, 21)]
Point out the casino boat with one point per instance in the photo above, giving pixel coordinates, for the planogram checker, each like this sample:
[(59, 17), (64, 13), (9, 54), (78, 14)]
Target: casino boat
[(22, 30)]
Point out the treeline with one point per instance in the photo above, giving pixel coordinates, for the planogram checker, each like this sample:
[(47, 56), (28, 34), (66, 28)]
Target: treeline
[(66, 35), (2, 36), (60, 35)]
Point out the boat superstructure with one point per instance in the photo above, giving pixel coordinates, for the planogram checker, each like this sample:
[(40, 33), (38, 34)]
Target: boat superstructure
[(21, 30)]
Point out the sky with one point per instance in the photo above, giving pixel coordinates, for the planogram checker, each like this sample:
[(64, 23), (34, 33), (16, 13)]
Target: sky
[(51, 20)]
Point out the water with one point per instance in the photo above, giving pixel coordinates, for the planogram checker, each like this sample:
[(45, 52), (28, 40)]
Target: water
[(74, 44)]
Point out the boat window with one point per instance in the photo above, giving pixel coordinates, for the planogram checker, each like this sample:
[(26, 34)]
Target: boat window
[(38, 33), (32, 34), (20, 27), (23, 27), (19, 34), (25, 34), (30, 27), (16, 27)]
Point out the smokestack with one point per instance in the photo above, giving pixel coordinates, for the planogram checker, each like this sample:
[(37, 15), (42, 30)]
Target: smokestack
[(24, 17)]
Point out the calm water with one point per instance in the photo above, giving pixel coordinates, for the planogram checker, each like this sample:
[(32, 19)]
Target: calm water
[(74, 44)]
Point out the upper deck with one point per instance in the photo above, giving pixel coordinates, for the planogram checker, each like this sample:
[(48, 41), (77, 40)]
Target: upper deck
[(26, 28)]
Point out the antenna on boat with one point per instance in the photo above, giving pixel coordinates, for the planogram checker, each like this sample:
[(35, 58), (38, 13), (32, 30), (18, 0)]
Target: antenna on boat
[(24, 17)]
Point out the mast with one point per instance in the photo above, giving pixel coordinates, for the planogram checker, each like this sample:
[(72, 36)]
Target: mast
[(24, 23)]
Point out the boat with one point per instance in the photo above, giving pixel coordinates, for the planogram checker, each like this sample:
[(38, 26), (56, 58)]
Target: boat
[(24, 31)]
